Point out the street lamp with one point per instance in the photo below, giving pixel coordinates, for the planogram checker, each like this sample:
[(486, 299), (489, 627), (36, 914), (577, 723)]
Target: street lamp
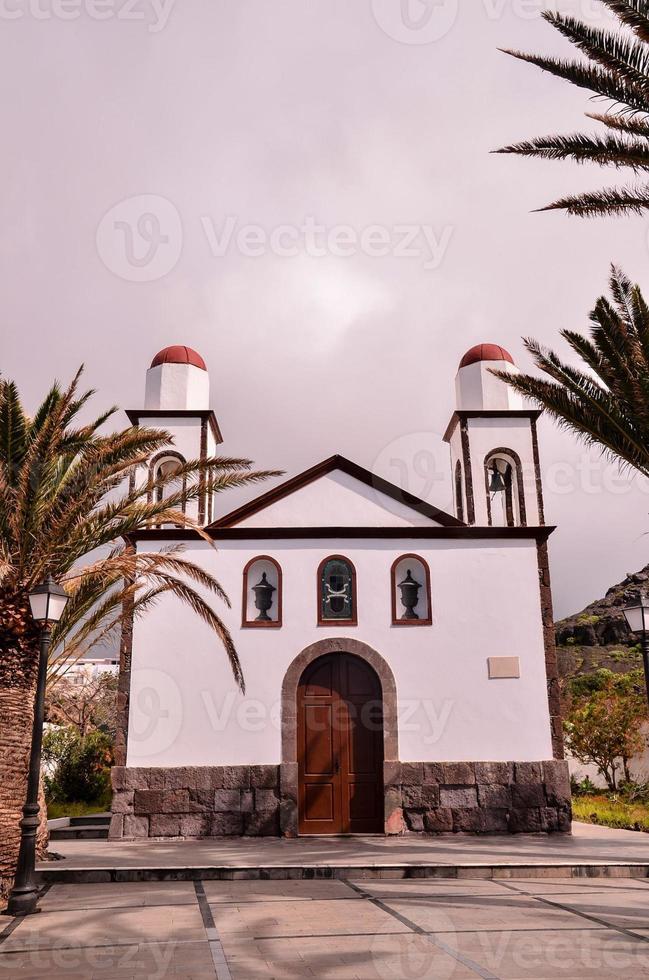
[(47, 602), (637, 617)]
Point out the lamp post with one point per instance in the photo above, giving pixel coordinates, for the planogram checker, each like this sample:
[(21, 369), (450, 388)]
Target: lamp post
[(637, 617), (47, 602)]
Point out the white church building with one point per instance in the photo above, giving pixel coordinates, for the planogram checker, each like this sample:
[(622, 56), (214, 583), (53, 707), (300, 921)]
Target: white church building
[(399, 661)]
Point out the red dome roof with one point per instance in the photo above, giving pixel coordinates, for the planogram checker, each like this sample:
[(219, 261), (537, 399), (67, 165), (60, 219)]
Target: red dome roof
[(179, 354), (486, 352)]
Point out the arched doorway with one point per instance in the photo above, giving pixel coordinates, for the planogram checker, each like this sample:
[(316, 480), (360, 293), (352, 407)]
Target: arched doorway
[(340, 747)]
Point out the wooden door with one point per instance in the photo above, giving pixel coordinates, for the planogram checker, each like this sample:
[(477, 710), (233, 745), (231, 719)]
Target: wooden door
[(340, 747)]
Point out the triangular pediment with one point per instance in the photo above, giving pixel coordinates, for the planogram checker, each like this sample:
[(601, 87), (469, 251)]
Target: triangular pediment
[(337, 493)]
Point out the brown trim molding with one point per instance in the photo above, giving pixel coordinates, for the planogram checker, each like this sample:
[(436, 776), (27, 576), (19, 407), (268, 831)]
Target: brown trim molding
[(205, 414), (459, 497), (551, 667), (124, 675), (537, 472), (351, 469), (201, 478), (336, 622), (396, 620), (254, 623), (462, 533), (468, 475), (522, 513), (462, 416)]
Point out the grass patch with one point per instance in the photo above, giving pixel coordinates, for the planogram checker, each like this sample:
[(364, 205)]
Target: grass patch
[(56, 810), (611, 811)]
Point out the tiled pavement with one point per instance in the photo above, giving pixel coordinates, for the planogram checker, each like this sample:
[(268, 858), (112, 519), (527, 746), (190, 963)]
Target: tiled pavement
[(385, 929)]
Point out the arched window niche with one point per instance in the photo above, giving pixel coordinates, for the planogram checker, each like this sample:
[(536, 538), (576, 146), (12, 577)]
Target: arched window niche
[(459, 500), (163, 466), (337, 592), (411, 600), (504, 489), (262, 593)]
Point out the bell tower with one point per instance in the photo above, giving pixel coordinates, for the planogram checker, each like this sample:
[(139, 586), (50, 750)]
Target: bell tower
[(494, 445), (177, 398)]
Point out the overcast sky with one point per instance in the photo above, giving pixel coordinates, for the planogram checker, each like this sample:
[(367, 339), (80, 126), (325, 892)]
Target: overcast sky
[(303, 192)]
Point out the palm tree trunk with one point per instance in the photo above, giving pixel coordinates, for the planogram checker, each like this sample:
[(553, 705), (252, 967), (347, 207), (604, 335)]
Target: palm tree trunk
[(18, 668)]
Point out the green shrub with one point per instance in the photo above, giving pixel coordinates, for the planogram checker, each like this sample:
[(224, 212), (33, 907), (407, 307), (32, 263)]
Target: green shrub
[(82, 766)]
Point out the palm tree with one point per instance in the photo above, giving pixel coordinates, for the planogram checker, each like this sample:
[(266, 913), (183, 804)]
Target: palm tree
[(616, 68), (607, 401), (67, 509)]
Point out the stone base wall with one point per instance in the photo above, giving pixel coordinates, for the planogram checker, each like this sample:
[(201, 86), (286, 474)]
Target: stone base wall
[(420, 797), (205, 801), (478, 797)]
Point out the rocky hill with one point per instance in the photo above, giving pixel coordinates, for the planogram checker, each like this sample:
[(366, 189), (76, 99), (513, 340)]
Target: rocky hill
[(599, 636)]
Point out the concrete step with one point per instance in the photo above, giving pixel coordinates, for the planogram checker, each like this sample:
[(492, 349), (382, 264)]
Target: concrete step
[(80, 832), (91, 820)]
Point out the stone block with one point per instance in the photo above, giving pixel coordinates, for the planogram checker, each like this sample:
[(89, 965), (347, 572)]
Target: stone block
[(181, 777), (123, 801), (458, 773), (528, 772), (394, 822), (201, 800), (136, 826), (495, 820), (262, 823), (439, 821), (527, 794), (266, 799), (194, 825), (116, 829), (226, 825), (556, 778), (147, 801), (391, 774), (420, 797), (175, 801), (247, 801), (525, 821), (264, 777), (468, 820), (208, 778), (234, 777), (414, 820), (434, 773), (459, 796), (491, 773), (164, 825), (288, 818), (412, 773), (227, 800), (154, 777), (494, 795), (549, 819), (288, 777), (564, 819)]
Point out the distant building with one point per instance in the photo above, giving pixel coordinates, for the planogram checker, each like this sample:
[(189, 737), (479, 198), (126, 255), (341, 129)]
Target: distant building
[(90, 668), (399, 661)]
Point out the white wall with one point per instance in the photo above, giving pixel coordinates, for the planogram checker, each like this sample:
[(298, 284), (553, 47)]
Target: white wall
[(485, 602), (337, 500)]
